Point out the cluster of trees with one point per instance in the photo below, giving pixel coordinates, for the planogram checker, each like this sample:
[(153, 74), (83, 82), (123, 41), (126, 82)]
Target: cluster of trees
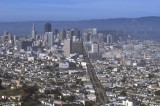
[(30, 89), (1, 88), (89, 103), (68, 98), (123, 93), (150, 75), (124, 79), (29, 100), (157, 93)]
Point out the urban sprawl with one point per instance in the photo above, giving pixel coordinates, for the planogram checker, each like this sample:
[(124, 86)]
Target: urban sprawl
[(69, 67)]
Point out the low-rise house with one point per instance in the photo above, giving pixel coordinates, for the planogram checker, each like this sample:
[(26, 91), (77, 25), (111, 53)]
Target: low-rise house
[(64, 65), (91, 97)]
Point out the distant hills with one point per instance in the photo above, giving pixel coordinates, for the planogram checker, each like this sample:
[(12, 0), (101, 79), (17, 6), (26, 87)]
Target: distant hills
[(144, 26)]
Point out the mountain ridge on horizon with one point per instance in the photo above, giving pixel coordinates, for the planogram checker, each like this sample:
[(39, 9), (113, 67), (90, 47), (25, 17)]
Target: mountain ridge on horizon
[(82, 19), (149, 25)]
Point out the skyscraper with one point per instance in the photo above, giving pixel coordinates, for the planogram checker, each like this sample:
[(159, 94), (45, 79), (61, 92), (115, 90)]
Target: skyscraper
[(23, 44), (14, 40), (94, 31), (50, 39), (9, 38), (95, 48), (77, 47), (77, 33), (69, 33), (86, 37), (47, 27), (67, 47), (109, 39), (19, 45), (33, 32), (62, 34)]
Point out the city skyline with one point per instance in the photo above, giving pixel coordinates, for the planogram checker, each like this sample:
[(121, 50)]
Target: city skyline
[(62, 10)]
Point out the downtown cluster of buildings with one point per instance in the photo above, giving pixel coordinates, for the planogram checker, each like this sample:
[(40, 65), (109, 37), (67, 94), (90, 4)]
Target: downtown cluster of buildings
[(47, 69)]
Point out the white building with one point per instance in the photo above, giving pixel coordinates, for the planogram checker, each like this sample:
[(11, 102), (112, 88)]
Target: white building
[(30, 58), (128, 103), (95, 48), (94, 31), (91, 97), (63, 65)]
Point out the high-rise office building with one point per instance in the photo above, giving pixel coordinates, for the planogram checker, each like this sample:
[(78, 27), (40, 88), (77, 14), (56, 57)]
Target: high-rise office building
[(47, 27), (95, 48), (26, 44), (62, 35), (94, 38), (109, 39), (101, 38), (45, 37), (5, 36), (56, 31), (50, 39), (77, 47), (86, 37), (19, 45), (10, 38), (14, 40), (5, 33), (94, 31), (33, 32), (71, 47), (69, 33), (76, 33), (67, 47), (74, 38)]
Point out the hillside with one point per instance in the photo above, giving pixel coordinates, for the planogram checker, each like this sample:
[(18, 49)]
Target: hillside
[(149, 26)]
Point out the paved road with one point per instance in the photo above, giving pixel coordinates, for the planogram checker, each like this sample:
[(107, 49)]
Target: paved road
[(100, 91)]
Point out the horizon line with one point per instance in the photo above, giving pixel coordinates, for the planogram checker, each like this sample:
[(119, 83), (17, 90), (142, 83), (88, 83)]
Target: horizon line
[(79, 20)]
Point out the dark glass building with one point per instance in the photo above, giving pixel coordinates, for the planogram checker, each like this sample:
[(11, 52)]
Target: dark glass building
[(26, 44), (47, 27), (77, 47)]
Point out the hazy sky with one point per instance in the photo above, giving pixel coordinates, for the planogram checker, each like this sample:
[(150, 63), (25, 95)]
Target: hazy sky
[(22, 10)]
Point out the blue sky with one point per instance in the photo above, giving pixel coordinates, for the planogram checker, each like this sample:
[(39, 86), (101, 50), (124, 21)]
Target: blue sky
[(23, 10)]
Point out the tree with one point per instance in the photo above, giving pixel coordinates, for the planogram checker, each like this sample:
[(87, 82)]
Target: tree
[(30, 89), (150, 75), (123, 93), (56, 91), (1, 88), (56, 97), (157, 93), (89, 103), (62, 58), (71, 98), (124, 79), (157, 70), (142, 104), (110, 68), (31, 103), (63, 99)]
